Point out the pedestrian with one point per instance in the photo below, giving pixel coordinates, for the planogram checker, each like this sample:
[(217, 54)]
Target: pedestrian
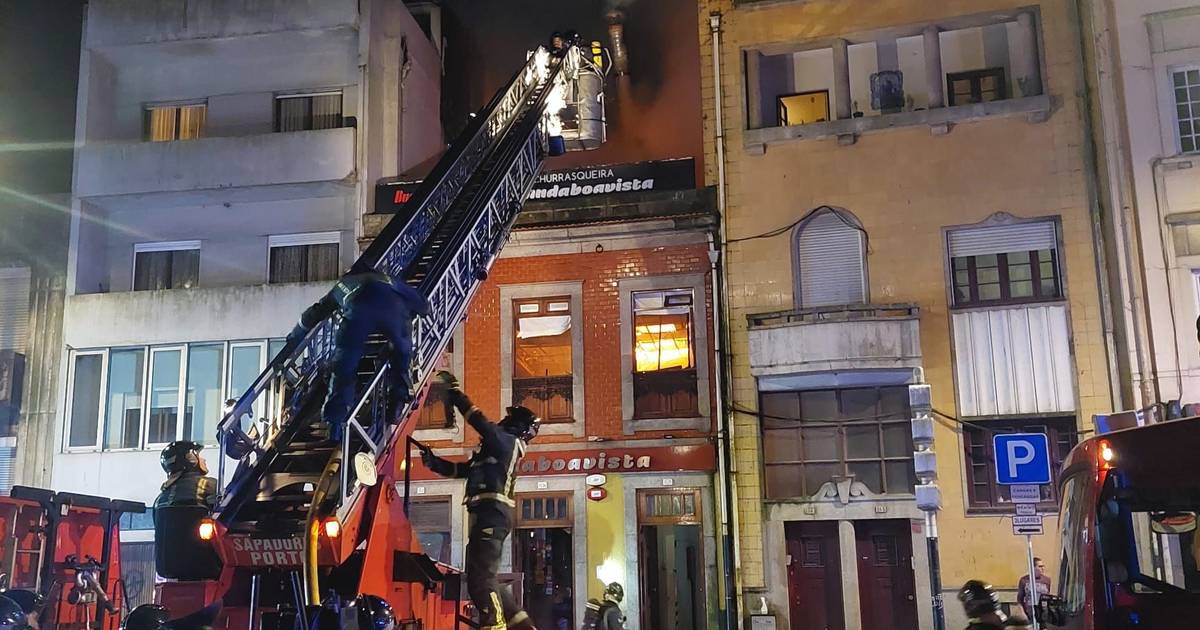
[(369, 302), (491, 476), (982, 605), (1043, 588)]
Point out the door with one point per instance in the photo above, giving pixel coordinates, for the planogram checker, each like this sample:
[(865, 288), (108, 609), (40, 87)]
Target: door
[(886, 587), (672, 584), (542, 554), (815, 576)]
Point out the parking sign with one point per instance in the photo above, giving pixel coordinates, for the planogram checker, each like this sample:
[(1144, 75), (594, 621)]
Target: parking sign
[(1022, 458)]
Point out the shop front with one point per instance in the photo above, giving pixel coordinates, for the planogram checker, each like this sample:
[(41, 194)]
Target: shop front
[(642, 516)]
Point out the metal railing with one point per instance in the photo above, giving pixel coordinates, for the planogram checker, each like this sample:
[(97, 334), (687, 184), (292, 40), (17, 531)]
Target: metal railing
[(837, 313)]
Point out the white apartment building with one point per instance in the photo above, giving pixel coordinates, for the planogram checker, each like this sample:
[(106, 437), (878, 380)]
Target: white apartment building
[(226, 153), (1144, 72)]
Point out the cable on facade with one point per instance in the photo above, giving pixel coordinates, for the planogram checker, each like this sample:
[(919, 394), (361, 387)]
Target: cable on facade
[(789, 227)]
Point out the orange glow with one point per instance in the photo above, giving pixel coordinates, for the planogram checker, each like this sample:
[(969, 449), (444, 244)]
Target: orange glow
[(333, 528), (207, 529), (662, 342)]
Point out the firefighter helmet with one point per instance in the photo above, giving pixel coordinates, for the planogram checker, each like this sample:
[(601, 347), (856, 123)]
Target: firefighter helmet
[(12, 617), (521, 422), (147, 617), (979, 598), (180, 457), (29, 601), (614, 592), (374, 613)]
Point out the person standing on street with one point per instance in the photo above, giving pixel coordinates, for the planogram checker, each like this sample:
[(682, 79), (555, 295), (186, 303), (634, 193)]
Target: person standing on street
[(1043, 588)]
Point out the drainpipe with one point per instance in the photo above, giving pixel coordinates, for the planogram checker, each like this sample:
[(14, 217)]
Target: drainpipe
[(726, 465)]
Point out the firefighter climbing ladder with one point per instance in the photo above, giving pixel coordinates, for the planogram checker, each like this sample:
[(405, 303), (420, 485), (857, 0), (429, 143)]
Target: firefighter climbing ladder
[(288, 474)]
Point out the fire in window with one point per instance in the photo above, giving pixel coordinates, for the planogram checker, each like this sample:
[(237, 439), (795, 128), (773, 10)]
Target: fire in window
[(664, 378)]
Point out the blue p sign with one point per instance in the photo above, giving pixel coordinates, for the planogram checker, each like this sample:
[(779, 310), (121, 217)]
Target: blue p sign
[(1022, 458)]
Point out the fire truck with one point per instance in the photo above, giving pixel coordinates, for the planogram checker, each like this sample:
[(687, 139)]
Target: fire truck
[(1130, 545), (63, 550), (304, 524)]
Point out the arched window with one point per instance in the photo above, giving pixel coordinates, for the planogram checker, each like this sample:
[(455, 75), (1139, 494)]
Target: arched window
[(829, 260)]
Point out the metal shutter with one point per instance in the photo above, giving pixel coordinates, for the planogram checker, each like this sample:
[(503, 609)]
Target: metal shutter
[(829, 262), (14, 308), (1000, 239), (429, 515), (8, 459)]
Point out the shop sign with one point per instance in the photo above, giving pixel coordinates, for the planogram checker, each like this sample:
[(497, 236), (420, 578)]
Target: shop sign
[(595, 480), (597, 494), (591, 462)]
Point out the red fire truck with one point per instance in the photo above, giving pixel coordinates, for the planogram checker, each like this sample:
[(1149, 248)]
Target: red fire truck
[(1130, 545), (64, 548)]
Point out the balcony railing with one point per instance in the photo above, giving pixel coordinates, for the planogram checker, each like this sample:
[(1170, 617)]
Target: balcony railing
[(550, 397)]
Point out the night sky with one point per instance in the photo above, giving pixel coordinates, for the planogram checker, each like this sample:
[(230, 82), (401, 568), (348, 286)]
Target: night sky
[(39, 71)]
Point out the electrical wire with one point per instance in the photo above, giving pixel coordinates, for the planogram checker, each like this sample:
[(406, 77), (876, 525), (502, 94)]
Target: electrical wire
[(807, 215)]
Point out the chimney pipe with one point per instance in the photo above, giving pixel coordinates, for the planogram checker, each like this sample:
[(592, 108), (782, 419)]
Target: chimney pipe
[(616, 35)]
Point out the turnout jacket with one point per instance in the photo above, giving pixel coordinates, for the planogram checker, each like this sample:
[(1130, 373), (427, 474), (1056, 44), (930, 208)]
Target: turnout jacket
[(341, 298), (491, 472), (189, 488)]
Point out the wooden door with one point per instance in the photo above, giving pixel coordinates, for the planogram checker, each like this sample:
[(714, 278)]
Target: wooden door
[(886, 587), (814, 576)]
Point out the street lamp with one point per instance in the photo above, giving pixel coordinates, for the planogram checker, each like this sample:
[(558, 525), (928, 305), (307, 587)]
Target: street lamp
[(929, 496)]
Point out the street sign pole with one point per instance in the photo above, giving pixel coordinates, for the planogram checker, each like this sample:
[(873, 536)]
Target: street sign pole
[(1033, 596)]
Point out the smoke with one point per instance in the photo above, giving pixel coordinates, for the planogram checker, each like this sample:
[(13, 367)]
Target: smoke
[(617, 5)]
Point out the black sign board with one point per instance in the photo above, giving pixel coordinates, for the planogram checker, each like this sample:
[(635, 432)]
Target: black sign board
[(589, 181)]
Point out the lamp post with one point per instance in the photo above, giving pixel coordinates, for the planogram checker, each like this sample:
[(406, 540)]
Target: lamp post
[(929, 496)]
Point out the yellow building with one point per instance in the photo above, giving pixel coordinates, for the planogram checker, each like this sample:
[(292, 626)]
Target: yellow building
[(905, 187)]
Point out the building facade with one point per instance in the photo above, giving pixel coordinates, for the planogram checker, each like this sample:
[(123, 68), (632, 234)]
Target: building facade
[(1144, 62), (225, 156), (905, 201)]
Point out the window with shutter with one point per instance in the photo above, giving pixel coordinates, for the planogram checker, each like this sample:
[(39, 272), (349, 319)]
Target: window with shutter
[(829, 260)]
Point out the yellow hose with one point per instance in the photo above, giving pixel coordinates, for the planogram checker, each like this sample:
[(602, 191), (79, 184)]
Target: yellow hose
[(312, 568)]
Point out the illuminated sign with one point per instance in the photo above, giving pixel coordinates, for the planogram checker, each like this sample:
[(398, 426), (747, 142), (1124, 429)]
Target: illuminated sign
[(695, 457)]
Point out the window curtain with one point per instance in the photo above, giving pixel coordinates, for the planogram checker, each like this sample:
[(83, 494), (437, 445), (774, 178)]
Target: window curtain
[(191, 121), (152, 271), (287, 264), (185, 268), (322, 262), (327, 111), (293, 112), (160, 124)]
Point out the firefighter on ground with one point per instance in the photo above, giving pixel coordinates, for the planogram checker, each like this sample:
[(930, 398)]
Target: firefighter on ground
[(187, 481), (491, 476), (605, 615), (982, 605), (369, 302)]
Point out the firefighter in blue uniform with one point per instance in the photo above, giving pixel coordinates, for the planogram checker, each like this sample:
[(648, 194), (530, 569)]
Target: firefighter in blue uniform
[(369, 302), (491, 475)]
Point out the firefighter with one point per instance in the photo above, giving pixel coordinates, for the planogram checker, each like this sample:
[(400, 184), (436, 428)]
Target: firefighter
[(12, 616), (32, 603), (605, 615), (369, 302), (982, 605), (374, 613), (187, 481), (491, 476), (147, 617)]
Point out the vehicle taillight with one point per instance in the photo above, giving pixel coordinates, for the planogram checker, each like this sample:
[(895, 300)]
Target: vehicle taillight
[(207, 529), (1106, 455), (333, 528)]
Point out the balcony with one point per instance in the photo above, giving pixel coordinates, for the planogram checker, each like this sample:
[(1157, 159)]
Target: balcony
[(303, 159), (262, 311), (835, 338)]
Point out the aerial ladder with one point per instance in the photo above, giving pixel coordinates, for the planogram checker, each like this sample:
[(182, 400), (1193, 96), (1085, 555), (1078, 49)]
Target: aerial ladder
[(305, 522)]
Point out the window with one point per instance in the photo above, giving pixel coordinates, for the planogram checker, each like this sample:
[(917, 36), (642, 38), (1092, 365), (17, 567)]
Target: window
[(1187, 239), (982, 490), (1005, 264), (1186, 84), (829, 260), (203, 407), (87, 376), (166, 376), (669, 507), (542, 357), (246, 362), (976, 86), (544, 510), (664, 377), (803, 108), (813, 437), (1072, 578), (304, 258), (166, 265), (300, 112), (433, 413), (430, 518), (164, 123), (123, 418)]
